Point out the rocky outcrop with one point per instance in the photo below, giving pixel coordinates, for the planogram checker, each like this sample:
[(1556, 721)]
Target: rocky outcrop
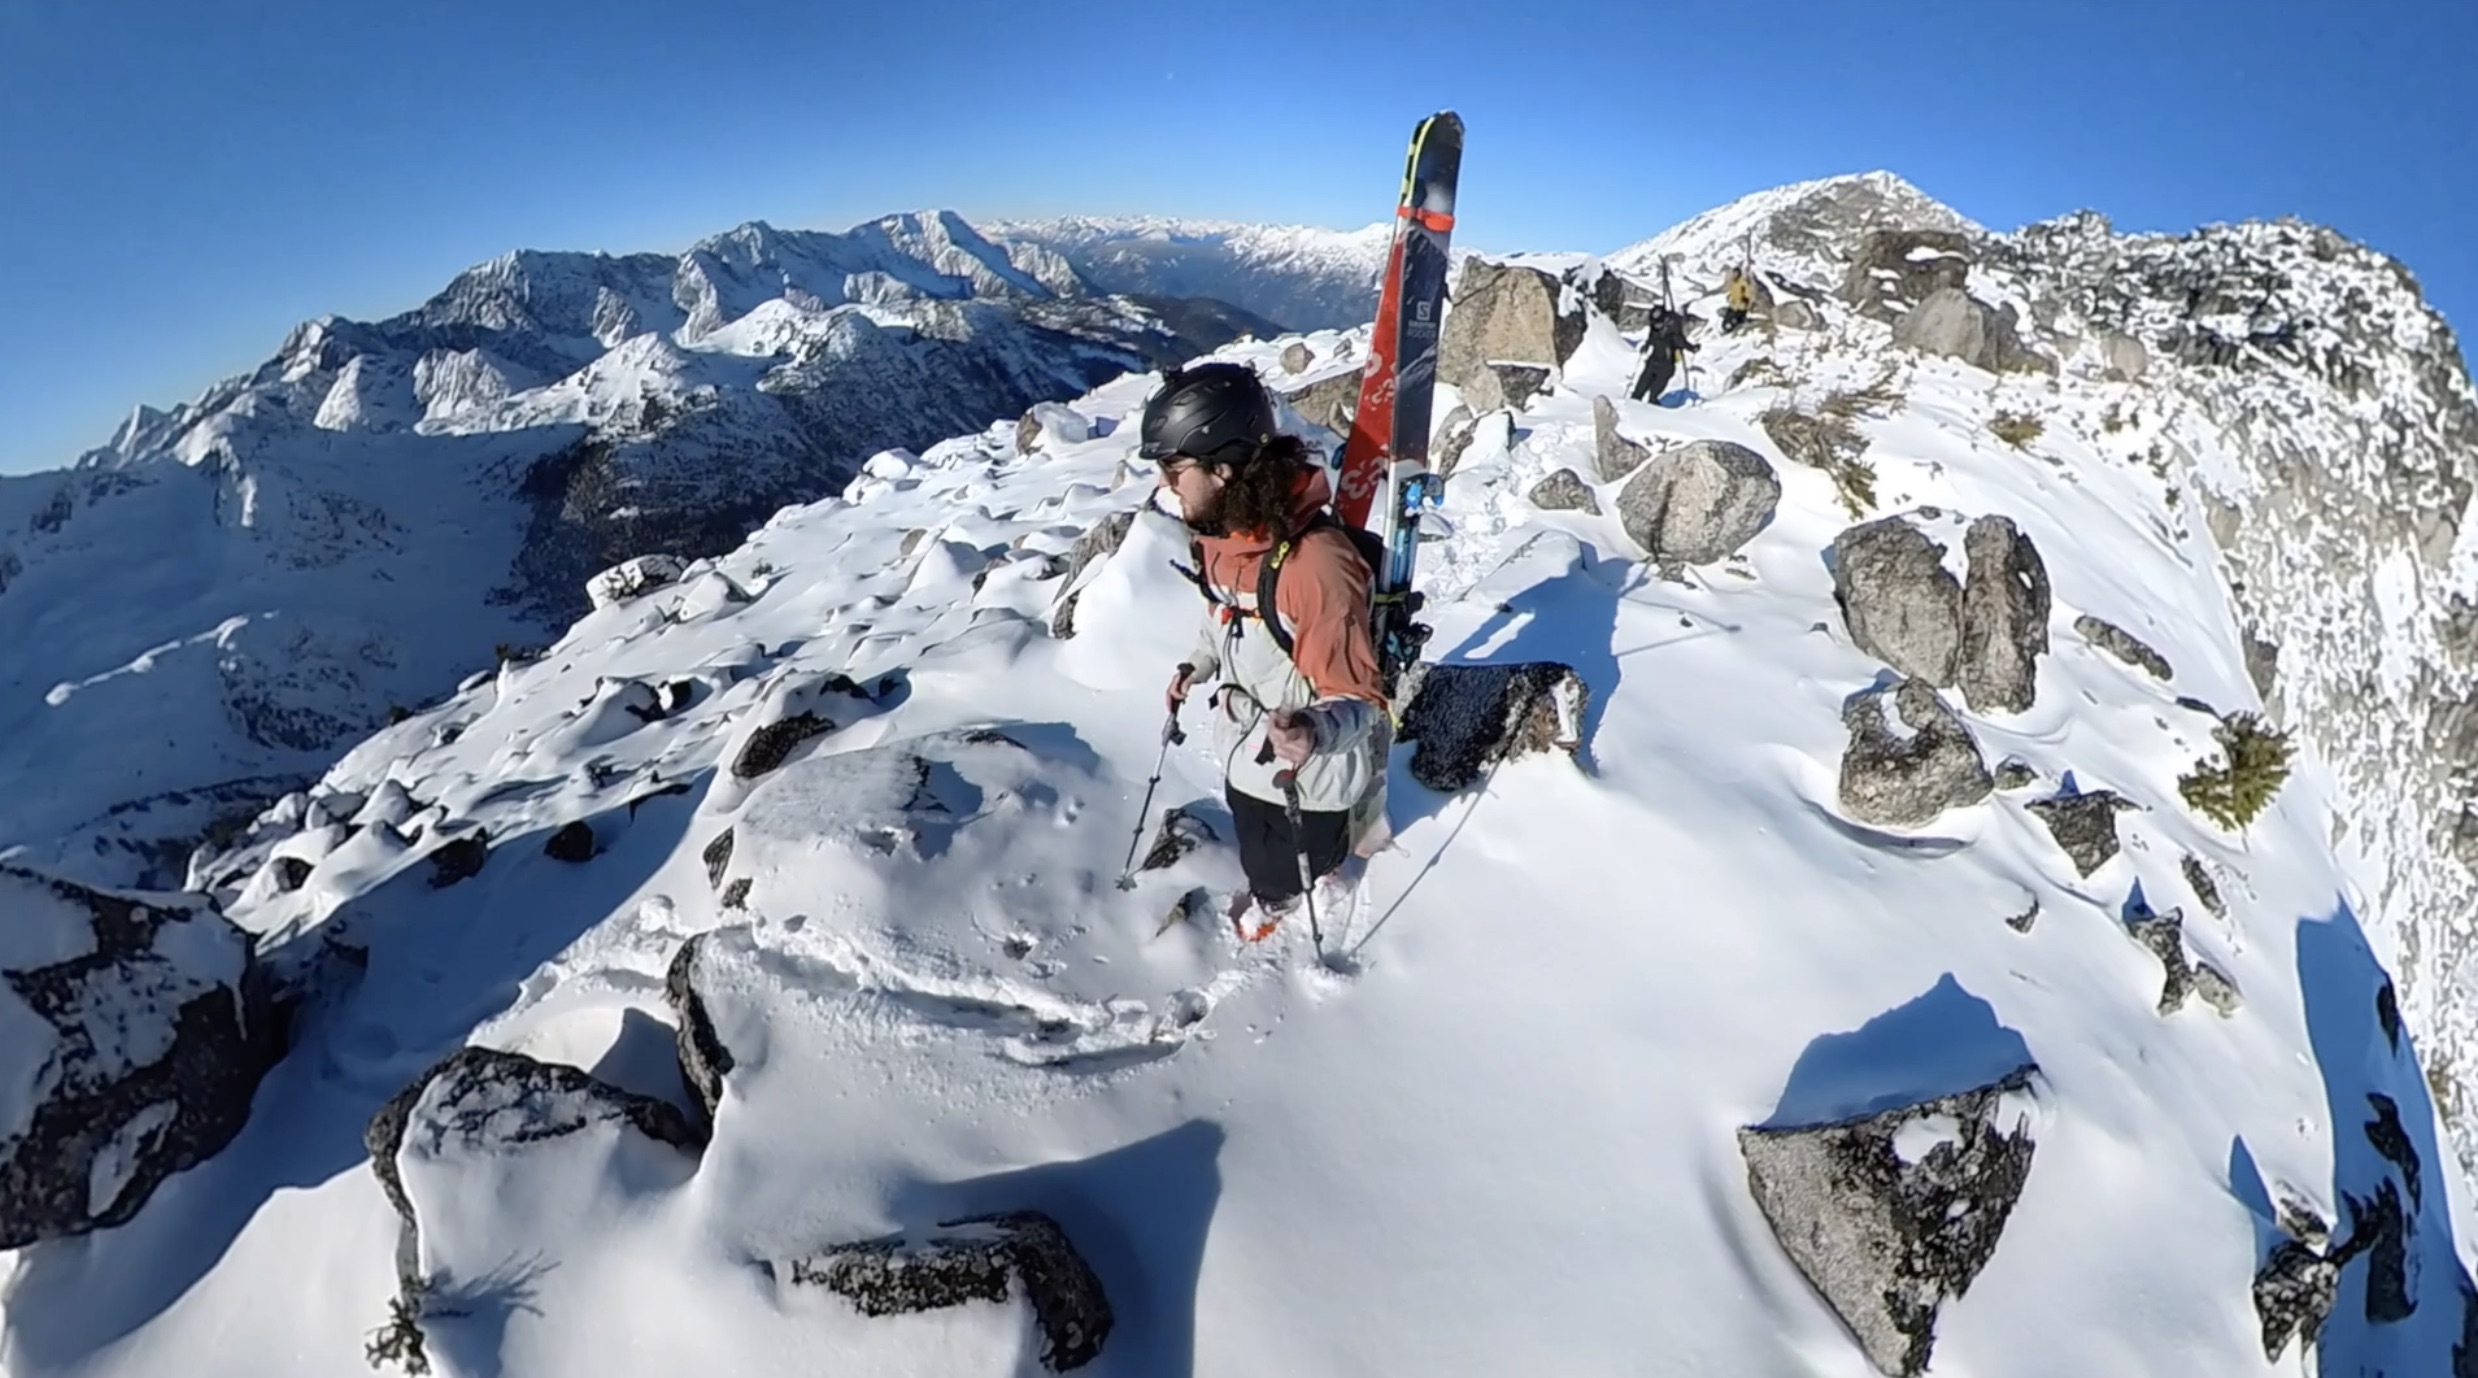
[(1564, 491), (1464, 719), (1021, 1257), (704, 1060), (633, 579), (1328, 402), (1894, 270), (1616, 455), (2124, 645), (134, 1029), (1180, 833), (1952, 323), (2005, 601), (1891, 1214), (1904, 774), (1506, 313), (478, 1105), (1899, 602), (1699, 503), (2084, 824)]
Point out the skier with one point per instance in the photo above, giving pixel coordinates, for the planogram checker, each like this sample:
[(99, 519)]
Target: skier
[(1664, 338), (1739, 287), (1302, 731)]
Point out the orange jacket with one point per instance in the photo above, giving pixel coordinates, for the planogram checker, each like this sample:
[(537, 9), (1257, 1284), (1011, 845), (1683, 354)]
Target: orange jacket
[(1322, 597)]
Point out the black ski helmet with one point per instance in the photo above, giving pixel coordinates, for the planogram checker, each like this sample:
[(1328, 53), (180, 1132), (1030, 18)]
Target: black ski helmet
[(1216, 412)]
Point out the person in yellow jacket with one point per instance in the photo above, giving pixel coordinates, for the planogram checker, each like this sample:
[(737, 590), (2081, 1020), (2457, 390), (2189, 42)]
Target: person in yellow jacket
[(1738, 287)]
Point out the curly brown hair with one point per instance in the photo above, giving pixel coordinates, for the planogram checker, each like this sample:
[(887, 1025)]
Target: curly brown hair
[(1260, 493)]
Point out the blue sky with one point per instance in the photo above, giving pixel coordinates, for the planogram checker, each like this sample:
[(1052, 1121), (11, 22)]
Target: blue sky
[(180, 182)]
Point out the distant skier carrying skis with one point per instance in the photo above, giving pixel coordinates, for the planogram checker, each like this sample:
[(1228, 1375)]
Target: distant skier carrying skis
[(1664, 341), (1738, 288), (1314, 714)]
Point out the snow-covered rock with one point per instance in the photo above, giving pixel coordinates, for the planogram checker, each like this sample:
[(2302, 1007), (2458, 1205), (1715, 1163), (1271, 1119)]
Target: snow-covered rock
[(633, 578), (133, 1030)]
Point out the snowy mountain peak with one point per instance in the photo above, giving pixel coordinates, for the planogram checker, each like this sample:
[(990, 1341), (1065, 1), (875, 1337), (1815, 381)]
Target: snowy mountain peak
[(1803, 222), (1304, 277)]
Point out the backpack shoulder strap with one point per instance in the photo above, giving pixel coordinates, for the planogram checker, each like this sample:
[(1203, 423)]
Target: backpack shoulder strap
[(1269, 577)]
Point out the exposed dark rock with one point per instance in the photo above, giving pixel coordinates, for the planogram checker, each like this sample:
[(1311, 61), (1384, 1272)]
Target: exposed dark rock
[(2015, 773), (573, 842), (704, 1060), (634, 578), (982, 1258), (717, 857), (1180, 833), (1903, 777), (1296, 357), (770, 745), (291, 873), (2293, 1293), (2005, 603), (1564, 491), (2085, 825), (2021, 923), (1889, 1214), (152, 1043), (1613, 454), (736, 894), (2198, 879), (2465, 1351), (2262, 662), (1899, 602), (2124, 645), (1095, 545), (2163, 935), (2217, 989), (459, 858), (2388, 1014), (1466, 718)]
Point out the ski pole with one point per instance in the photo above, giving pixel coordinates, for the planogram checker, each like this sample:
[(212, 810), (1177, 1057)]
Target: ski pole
[(1171, 736), (1289, 781)]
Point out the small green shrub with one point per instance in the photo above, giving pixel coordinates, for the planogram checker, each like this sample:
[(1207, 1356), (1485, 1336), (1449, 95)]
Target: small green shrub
[(2234, 791)]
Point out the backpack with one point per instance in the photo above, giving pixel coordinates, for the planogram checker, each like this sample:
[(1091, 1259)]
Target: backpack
[(1370, 546)]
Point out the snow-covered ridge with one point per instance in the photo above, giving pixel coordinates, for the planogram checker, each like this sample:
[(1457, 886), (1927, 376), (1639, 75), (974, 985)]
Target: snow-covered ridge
[(1304, 277), (842, 807), (347, 529)]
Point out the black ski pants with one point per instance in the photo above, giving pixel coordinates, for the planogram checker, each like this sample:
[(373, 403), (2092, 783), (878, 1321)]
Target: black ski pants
[(1269, 851)]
